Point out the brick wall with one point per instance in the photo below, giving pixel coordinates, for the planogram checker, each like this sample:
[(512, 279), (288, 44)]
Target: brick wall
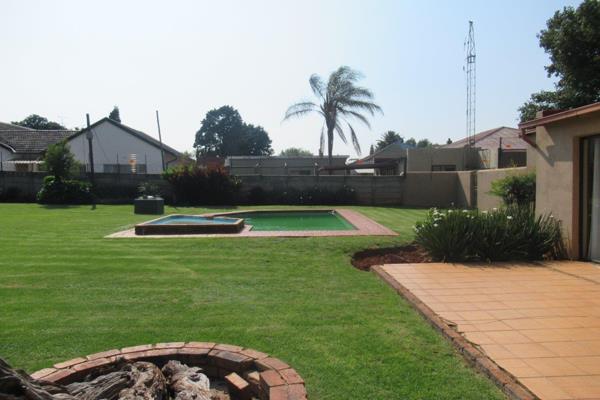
[(417, 189)]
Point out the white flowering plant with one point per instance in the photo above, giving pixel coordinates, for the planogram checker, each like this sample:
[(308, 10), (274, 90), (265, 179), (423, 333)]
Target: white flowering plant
[(509, 233)]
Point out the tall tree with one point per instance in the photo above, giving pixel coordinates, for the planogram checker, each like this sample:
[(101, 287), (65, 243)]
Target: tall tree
[(572, 40), (411, 142), (371, 150), (223, 133), (449, 141), (35, 121), (295, 152), (424, 143), (388, 138), (115, 115), (339, 100)]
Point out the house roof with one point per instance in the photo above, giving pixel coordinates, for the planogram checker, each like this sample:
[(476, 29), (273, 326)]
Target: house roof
[(559, 116), (31, 141), (139, 134), (370, 157), (491, 139), (4, 126)]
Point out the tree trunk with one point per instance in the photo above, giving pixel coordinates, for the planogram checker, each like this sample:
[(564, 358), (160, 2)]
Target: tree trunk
[(330, 148), (15, 384), (149, 383), (103, 387), (187, 383)]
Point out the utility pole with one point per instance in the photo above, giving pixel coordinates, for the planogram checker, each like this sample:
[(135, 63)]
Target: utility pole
[(162, 150), (89, 135)]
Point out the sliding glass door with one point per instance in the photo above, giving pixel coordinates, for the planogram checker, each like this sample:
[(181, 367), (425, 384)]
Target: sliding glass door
[(590, 207)]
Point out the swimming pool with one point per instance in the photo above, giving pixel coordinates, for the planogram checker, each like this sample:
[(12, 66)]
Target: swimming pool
[(189, 225), (258, 221), (322, 220)]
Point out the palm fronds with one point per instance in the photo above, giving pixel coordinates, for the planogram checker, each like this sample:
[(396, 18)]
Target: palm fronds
[(339, 101)]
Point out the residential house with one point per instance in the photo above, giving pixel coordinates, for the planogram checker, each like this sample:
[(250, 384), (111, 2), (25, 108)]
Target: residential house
[(21, 148), (399, 157), (116, 148), (498, 148), (282, 165), (565, 154)]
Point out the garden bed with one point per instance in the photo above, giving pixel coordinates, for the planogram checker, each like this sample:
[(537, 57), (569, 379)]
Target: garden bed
[(409, 254)]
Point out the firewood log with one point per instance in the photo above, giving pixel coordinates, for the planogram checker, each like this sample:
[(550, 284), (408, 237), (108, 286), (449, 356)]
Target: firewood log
[(186, 383)]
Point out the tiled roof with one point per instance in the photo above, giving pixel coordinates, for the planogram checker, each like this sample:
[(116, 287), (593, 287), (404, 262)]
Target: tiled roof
[(31, 141), (490, 139), (10, 127)]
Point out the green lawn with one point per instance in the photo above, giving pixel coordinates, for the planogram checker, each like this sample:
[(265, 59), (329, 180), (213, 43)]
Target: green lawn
[(66, 291)]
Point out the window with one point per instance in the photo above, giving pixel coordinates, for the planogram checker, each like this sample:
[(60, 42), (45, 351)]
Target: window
[(443, 167)]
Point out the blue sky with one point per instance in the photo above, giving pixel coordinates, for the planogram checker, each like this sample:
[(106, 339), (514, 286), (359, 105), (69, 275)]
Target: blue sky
[(62, 59)]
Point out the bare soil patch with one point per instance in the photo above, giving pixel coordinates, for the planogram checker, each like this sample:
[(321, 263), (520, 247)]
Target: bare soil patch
[(411, 253)]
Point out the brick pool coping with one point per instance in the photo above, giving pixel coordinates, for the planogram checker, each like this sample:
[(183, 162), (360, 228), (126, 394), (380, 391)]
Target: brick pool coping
[(276, 379), (364, 227), (477, 358)]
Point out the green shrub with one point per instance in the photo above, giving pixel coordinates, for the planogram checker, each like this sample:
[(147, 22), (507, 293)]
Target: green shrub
[(64, 191), (194, 185), (512, 233), (58, 161), (515, 189)]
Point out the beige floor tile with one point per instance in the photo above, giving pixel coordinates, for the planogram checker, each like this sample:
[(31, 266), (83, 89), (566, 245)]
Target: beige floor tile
[(538, 323)]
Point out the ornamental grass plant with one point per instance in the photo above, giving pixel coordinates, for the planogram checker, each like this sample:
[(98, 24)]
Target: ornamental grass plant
[(505, 234)]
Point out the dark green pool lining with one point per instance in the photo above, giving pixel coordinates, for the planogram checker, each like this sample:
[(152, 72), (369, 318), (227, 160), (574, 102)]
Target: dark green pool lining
[(325, 220)]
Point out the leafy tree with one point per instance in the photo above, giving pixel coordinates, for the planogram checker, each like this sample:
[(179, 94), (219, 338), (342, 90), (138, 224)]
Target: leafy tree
[(35, 121), (449, 141), (411, 142), (388, 138), (572, 39), (223, 133), (424, 143), (115, 115), (295, 152), (371, 150), (340, 99), (59, 161), (255, 141)]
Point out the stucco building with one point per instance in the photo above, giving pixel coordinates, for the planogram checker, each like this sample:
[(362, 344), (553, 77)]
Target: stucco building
[(282, 165), (565, 153)]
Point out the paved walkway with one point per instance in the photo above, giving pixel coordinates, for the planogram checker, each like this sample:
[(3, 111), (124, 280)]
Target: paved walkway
[(540, 322)]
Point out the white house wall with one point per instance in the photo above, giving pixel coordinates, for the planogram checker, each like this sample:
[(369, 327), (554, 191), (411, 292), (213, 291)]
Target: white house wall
[(112, 145), (6, 155)]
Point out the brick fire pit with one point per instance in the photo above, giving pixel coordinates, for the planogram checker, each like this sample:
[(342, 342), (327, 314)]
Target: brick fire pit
[(247, 372)]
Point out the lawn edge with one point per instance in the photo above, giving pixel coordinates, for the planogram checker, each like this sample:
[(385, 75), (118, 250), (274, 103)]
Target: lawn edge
[(474, 357)]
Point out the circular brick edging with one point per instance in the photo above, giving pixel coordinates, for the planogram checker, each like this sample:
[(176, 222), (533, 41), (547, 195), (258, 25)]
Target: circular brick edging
[(245, 370)]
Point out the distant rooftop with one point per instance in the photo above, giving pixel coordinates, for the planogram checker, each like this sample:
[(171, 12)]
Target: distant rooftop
[(282, 157), (491, 139), (31, 141)]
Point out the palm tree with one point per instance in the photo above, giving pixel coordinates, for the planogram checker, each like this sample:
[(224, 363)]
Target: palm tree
[(339, 100)]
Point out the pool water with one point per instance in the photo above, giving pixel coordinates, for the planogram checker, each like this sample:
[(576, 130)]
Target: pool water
[(192, 219), (295, 221)]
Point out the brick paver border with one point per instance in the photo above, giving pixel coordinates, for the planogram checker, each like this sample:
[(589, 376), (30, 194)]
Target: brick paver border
[(273, 379), (364, 227), (505, 381)]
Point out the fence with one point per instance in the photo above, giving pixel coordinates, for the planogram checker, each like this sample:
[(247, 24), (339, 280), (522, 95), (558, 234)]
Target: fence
[(466, 189), (23, 186)]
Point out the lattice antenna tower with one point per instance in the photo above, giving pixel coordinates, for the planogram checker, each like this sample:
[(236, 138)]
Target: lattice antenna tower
[(470, 70)]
